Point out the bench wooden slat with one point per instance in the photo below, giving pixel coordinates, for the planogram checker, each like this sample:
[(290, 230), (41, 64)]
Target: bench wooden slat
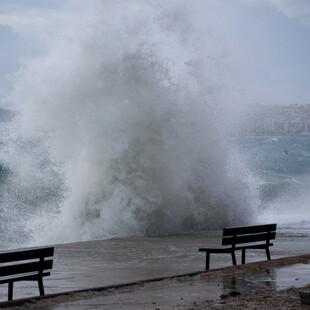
[(216, 250), (19, 255), (230, 249), (25, 267), (249, 229), (33, 276), (248, 238), (255, 246)]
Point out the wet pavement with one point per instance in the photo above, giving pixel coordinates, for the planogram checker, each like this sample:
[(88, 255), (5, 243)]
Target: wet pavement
[(92, 264), (184, 292), (183, 295)]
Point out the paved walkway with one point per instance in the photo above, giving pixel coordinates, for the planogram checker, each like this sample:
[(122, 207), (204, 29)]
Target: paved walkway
[(186, 292)]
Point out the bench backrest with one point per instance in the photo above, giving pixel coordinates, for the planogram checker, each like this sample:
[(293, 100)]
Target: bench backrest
[(248, 234), (24, 261)]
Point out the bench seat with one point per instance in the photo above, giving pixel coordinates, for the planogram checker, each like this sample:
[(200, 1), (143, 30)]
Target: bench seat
[(229, 249), (30, 276)]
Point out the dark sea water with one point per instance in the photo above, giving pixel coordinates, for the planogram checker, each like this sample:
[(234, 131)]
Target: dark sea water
[(282, 168)]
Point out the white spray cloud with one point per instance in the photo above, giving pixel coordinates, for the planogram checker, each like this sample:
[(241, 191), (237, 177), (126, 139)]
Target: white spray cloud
[(129, 116)]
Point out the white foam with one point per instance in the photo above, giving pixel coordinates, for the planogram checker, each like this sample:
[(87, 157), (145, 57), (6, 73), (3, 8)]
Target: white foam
[(133, 111)]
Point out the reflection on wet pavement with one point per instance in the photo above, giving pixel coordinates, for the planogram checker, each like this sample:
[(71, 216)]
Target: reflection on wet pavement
[(181, 293)]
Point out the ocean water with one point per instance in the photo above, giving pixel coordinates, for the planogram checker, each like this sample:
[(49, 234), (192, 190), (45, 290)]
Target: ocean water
[(127, 130), (282, 169)]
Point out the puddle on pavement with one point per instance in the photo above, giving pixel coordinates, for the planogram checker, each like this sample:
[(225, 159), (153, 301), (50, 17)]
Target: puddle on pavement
[(272, 279), (180, 293)]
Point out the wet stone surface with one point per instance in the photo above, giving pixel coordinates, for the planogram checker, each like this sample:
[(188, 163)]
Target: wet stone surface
[(85, 265), (258, 285)]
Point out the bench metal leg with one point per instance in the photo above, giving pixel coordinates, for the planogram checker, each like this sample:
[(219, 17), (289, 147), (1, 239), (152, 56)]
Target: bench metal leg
[(10, 292), (233, 258), (243, 256), (268, 253), (41, 288), (207, 260)]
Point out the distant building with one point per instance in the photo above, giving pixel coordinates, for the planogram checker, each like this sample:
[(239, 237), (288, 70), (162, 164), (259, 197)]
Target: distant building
[(280, 120)]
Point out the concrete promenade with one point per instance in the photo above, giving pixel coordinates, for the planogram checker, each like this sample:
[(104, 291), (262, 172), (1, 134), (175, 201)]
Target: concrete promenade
[(116, 273)]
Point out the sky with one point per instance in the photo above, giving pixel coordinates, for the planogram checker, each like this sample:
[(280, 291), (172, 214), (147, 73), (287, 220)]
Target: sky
[(267, 42)]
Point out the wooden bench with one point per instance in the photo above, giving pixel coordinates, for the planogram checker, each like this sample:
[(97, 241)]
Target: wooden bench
[(25, 265), (242, 238)]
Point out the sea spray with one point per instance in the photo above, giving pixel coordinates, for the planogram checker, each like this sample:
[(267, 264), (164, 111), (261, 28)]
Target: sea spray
[(124, 127)]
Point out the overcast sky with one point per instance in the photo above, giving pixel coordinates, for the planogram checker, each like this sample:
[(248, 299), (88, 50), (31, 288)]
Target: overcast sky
[(267, 42)]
